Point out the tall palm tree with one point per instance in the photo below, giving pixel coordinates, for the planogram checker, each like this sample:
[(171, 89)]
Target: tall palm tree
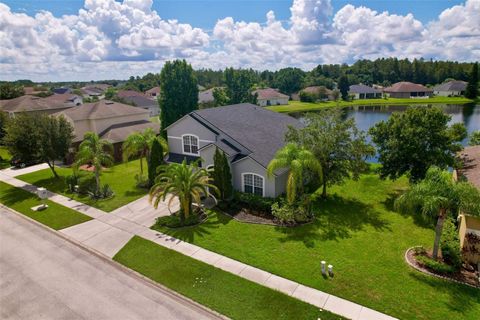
[(94, 151), (297, 160), (139, 144), (186, 182), (437, 196)]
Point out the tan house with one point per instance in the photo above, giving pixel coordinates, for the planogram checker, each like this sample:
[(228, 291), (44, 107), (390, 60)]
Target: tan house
[(469, 226), (408, 90), (154, 92), (110, 120), (33, 104), (270, 97)]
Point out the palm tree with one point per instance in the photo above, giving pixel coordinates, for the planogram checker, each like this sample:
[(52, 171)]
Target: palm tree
[(94, 151), (139, 144), (298, 160), (186, 182), (437, 196)]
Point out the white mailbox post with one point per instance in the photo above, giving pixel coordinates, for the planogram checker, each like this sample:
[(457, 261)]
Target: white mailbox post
[(43, 195)]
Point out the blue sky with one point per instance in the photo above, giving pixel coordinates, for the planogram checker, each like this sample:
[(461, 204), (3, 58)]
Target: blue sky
[(99, 39)]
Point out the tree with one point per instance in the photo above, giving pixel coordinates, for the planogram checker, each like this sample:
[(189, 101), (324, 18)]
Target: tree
[(343, 86), (4, 118), (56, 135), (472, 86), (138, 144), (412, 141), (437, 196), (289, 80), (338, 145), (475, 138), (110, 93), (94, 151), (220, 97), (155, 159), (239, 84), (22, 137), (187, 183), (298, 160), (179, 92), (222, 176), (10, 90)]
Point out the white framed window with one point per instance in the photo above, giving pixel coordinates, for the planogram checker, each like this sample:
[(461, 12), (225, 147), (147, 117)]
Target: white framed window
[(190, 144), (253, 183)]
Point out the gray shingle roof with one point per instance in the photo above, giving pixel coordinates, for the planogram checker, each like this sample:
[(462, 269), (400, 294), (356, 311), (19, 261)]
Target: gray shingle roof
[(451, 86), (361, 88), (142, 102), (259, 130), (120, 132), (101, 109)]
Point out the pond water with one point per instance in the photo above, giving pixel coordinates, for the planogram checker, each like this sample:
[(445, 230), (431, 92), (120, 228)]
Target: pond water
[(367, 116)]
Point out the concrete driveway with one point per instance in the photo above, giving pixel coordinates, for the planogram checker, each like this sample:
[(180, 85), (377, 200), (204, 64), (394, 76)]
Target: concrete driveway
[(43, 276)]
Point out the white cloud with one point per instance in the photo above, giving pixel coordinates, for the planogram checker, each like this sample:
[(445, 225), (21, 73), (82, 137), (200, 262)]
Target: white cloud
[(109, 39)]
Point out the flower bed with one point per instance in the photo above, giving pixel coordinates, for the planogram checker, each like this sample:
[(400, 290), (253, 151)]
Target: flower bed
[(173, 221)]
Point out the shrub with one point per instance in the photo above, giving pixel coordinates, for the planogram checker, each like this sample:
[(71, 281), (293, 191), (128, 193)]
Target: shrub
[(85, 183), (173, 221), (104, 192), (283, 212), (436, 266), (299, 212), (307, 97), (450, 244), (71, 181), (255, 202)]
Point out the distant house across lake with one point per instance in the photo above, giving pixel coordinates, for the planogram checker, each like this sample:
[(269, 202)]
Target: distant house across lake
[(450, 88), (154, 92), (408, 90), (361, 91), (270, 97)]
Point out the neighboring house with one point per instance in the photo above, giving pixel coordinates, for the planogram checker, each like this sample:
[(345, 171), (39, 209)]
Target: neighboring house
[(112, 121), (249, 135), (408, 90), (129, 93), (33, 104), (144, 103), (62, 90), (450, 88), (153, 93), (206, 96), (469, 225), (361, 91), (95, 90), (70, 100), (270, 97)]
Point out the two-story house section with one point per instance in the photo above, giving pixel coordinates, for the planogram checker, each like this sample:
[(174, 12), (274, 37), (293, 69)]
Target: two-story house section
[(248, 134)]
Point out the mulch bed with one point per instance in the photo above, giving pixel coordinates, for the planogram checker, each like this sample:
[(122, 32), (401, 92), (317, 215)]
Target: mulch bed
[(463, 276), (244, 215), (88, 167)]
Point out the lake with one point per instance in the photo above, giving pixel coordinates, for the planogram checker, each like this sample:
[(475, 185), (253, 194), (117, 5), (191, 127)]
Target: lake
[(367, 116)]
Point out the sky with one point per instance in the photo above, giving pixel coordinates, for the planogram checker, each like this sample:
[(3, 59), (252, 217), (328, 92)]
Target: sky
[(62, 40)]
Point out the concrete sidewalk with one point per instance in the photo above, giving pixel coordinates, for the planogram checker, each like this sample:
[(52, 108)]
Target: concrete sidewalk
[(109, 232)]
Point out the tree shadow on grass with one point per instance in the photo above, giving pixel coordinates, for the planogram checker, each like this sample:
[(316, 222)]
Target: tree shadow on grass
[(53, 184), (418, 218), (336, 218), (462, 297), (12, 196)]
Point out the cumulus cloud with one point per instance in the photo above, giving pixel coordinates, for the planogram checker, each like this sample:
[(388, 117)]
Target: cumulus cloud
[(116, 39)]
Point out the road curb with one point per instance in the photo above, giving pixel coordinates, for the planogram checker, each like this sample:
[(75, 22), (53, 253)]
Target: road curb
[(120, 267)]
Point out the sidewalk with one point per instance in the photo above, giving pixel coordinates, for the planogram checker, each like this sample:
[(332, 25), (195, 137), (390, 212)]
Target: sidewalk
[(109, 232)]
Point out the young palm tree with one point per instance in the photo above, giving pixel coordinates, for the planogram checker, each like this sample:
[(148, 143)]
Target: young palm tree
[(437, 196), (94, 151), (186, 182), (298, 160), (139, 144)]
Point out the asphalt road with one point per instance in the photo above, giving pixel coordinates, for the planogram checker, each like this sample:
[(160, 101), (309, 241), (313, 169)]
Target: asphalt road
[(43, 276)]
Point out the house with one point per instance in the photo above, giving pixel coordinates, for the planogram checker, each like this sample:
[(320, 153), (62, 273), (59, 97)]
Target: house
[(450, 88), (408, 90), (144, 103), (112, 121), (129, 93), (61, 90), (206, 96), (249, 135), (270, 97), (469, 226), (33, 104), (361, 91), (70, 100), (95, 90), (154, 92)]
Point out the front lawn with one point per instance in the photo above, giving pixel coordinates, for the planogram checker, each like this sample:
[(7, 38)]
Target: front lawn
[(120, 177), (219, 290), (298, 106), (357, 232), (5, 157), (55, 216)]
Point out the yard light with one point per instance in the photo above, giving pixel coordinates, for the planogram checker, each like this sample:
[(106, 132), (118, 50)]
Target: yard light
[(324, 270), (330, 270)]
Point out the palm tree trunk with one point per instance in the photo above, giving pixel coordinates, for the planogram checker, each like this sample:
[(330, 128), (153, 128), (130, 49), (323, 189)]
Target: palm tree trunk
[(97, 179), (324, 183), (52, 167), (438, 233), (141, 165)]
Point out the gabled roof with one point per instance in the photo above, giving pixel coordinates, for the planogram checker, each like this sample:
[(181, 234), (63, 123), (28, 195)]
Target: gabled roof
[(361, 88), (31, 103), (407, 87), (259, 130), (129, 93), (153, 90), (141, 101), (120, 132), (471, 164), (100, 110), (269, 93), (63, 98), (451, 86)]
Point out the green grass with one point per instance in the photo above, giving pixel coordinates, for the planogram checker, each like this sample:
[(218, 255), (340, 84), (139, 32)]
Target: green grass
[(121, 179), (155, 119), (298, 106), (5, 157), (358, 232), (219, 290), (55, 216)]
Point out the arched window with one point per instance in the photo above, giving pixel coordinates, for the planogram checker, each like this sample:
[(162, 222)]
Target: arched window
[(190, 144), (253, 183)]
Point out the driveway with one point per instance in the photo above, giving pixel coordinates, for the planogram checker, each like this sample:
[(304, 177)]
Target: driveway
[(43, 276)]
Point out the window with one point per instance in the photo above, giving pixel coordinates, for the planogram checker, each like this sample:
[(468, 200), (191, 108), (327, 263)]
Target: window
[(190, 144), (253, 183)]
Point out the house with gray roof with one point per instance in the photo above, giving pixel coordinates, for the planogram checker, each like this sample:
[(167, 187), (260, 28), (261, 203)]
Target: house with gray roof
[(270, 97), (450, 88), (361, 91), (248, 134)]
